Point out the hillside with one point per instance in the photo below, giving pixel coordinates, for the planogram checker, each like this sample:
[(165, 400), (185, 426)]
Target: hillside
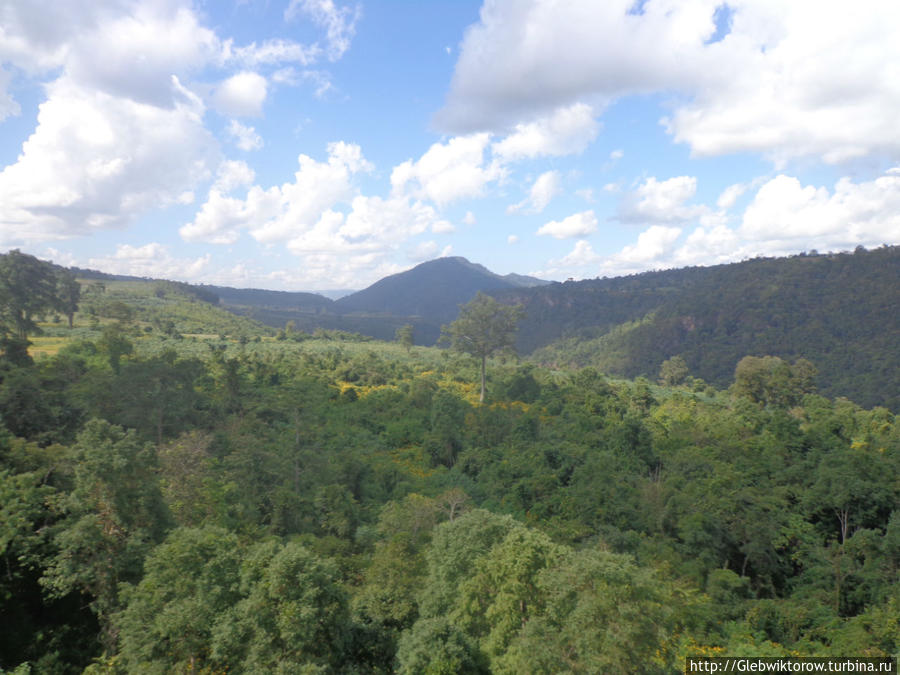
[(234, 502), (836, 310), (255, 297), (433, 290), (839, 311)]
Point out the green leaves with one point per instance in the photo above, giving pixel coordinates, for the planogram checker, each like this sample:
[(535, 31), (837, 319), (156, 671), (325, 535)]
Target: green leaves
[(483, 328)]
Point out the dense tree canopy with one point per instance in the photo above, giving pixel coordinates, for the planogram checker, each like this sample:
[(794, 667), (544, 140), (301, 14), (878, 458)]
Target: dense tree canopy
[(217, 500)]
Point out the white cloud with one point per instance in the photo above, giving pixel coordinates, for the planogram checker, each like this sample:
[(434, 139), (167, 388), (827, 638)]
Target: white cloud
[(362, 241), (616, 155), (785, 216), (244, 137), (567, 131), (651, 251), (271, 52), (512, 239), (543, 190), (375, 221), (576, 225), (241, 95), (580, 262), (469, 218), (774, 84), (424, 251), (279, 214), (657, 201), (317, 187), (580, 256), (447, 171), (730, 195), (339, 22), (652, 244), (8, 105), (442, 227), (134, 55), (233, 174), (320, 217), (152, 260), (119, 133), (97, 161)]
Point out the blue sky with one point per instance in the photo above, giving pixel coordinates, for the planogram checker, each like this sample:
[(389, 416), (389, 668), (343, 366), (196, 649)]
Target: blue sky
[(321, 144)]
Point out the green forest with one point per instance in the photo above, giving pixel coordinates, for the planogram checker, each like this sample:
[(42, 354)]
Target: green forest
[(184, 490)]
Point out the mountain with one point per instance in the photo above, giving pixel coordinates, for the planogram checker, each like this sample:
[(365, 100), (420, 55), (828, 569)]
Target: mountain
[(255, 297), (433, 290), (839, 311)]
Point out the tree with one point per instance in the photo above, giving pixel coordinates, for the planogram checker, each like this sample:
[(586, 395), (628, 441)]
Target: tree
[(113, 518), (68, 293), (190, 581), (673, 372), (770, 381), (404, 336), (484, 327), (27, 288), (115, 344), (293, 616)]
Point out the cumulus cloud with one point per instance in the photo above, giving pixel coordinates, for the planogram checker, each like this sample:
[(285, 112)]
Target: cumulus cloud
[(152, 260), (576, 225), (652, 244), (320, 216), (567, 131), (426, 250), (784, 217), (120, 132), (244, 137), (656, 201), (447, 171), (280, 213), (97, 161), (543, 190), (241, 95), (772, 82), (730, 195)]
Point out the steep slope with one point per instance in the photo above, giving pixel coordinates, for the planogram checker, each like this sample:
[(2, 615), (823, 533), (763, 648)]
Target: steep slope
[(839, 311), (433, 290)]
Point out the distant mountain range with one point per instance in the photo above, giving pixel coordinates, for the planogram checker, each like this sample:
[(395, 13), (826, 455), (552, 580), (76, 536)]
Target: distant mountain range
[(841, 311)]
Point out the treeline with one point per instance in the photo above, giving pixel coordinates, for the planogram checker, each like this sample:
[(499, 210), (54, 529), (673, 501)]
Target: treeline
[(222, 504)]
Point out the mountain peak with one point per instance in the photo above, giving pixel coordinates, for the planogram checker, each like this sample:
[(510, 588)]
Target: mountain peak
[(434, 289)]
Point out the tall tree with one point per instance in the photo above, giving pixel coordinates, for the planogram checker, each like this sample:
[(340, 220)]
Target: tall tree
[(404, 336), (27, 288), (484, 327), (68, 293)]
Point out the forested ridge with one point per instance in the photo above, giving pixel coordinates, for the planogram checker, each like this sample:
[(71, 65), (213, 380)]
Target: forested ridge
[(187, 491), (838, 310)]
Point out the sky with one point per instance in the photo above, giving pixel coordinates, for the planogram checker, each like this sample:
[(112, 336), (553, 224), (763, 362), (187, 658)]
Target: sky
[(324, 144)]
